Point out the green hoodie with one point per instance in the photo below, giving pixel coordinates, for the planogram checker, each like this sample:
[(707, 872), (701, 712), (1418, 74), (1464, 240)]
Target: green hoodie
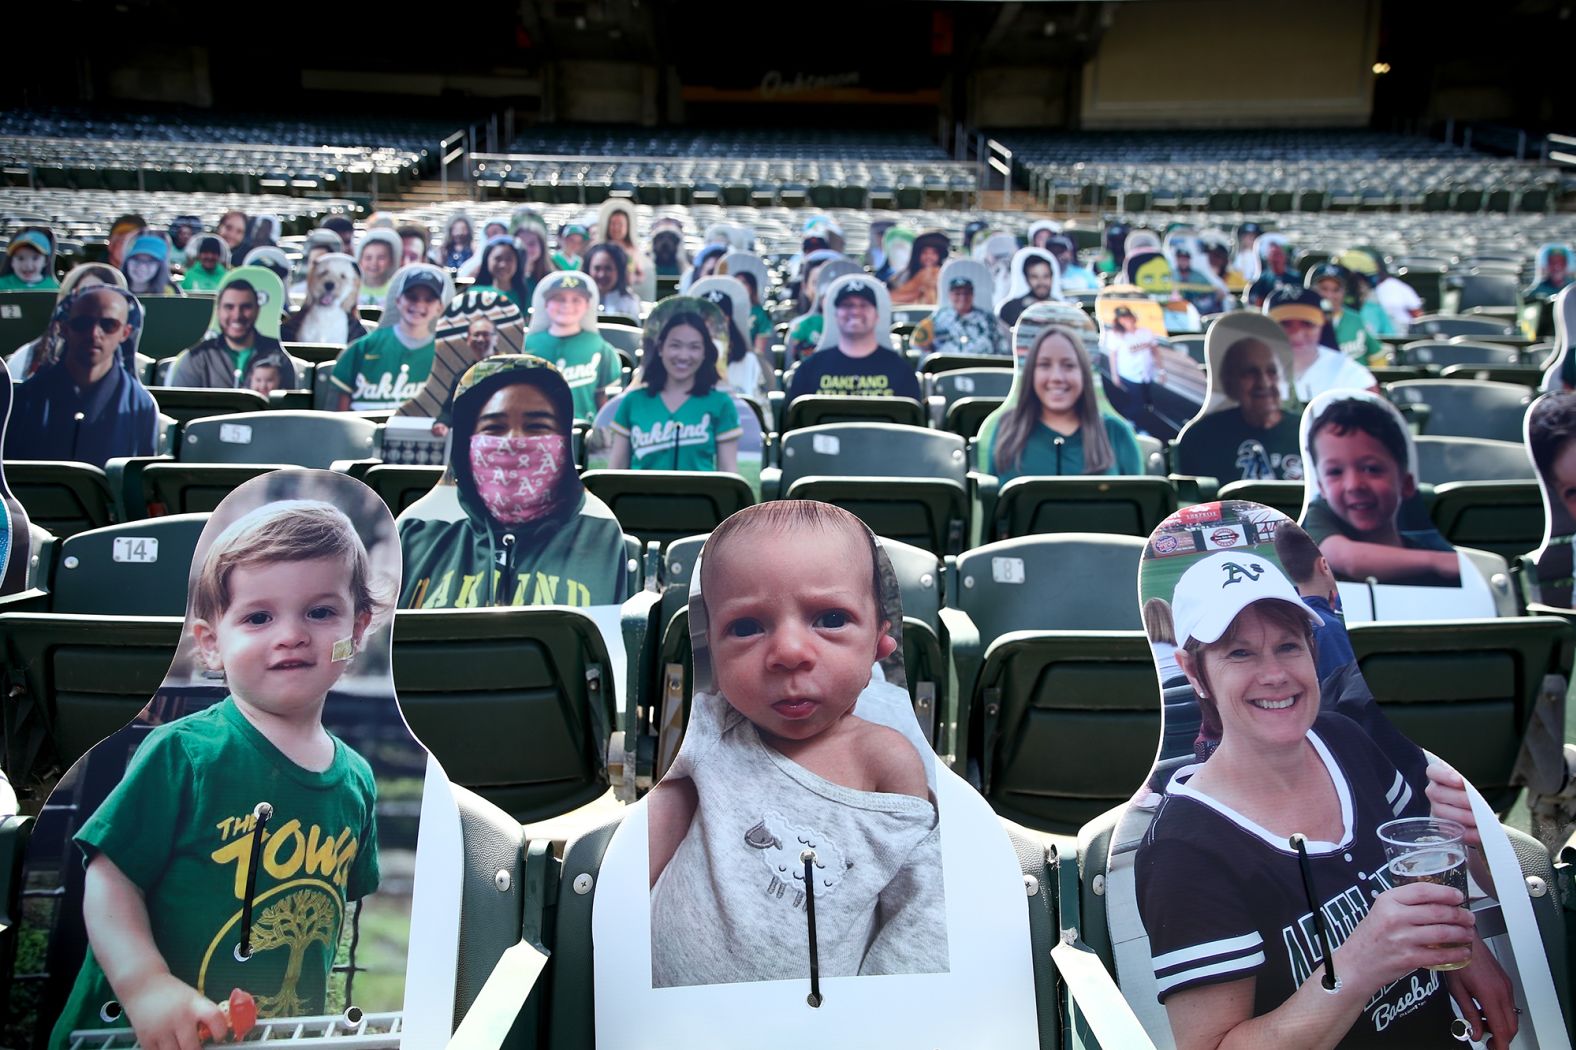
[(575, 557)]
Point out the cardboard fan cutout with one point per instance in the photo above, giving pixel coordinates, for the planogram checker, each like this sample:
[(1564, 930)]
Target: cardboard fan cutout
[(1561, 371), (1056, 420), (807, 869), (1286, 822), (247, 308), (1362, 508), (92, 339), (965, 322), (1154, 386), (223, 866), (16, 542), (328, 314), (475, 326), (1551, 427), (1248, 429), (563, 330), (829, 292)]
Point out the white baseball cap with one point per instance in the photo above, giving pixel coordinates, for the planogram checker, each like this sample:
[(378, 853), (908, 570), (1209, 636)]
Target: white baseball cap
[(1213, 591)]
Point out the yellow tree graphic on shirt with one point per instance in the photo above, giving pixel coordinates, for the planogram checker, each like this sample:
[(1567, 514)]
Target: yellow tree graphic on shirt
[(302, 919)]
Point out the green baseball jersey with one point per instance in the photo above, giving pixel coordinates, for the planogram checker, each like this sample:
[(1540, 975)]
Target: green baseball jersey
[(179, 825), (685, 439), (379, 371), (588, 363), (201, 279), (10, 282)]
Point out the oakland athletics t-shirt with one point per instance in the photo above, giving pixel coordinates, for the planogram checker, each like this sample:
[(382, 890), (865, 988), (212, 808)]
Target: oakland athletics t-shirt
[(379, 371), (188, 851), (588, 362), (685, 439), (830, 372)]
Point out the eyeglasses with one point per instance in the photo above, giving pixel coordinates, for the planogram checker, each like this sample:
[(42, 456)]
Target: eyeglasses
[(107, 325)]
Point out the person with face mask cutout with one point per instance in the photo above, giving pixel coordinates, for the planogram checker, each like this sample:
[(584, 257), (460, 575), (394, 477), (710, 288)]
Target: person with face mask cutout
[(386, 367), (459, 236), (564, 331), (530, 533), (29, 262)]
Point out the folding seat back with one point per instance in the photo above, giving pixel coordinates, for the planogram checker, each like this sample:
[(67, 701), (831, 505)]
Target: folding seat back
[(132, 569), (1490, 292), (1284, 496), (23, 316), (401, 484), (188, 403), (1458, 408), (62, 496), (814, 409), (172, 323), (300, 438), (906, 483), (1435, 354), (71, 681), (956, 384), (662, 505), (1504, 517), (1447, 326), (517, 703), (1443, 459), (1128, 506)]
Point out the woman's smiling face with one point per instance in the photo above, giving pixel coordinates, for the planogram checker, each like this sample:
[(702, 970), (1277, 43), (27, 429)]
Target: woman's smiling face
[(1261, 676)]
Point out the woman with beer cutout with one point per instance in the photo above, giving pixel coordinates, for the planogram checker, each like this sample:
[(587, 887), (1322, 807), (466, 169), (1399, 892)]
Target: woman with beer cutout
[(1285, 812)]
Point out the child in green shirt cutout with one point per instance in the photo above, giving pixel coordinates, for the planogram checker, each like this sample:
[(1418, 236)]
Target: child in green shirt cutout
[(175, 916)]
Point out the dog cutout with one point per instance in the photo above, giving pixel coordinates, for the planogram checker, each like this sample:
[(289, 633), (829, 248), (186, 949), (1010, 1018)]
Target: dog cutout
[(333, 285)]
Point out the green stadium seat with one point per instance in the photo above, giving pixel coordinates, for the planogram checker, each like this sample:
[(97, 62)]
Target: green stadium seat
[(23, 317), (1128, 506), (906, 483), (172, 323), (1069, 584), (516, 703), (399, 485), (170, 487), (1505, 517), (1442, 459), (1466, 689), (664, 505), (62, 496), (814, 409), (1284, 496), (966, 415), (188, 403), (71, 681), (137, 568)]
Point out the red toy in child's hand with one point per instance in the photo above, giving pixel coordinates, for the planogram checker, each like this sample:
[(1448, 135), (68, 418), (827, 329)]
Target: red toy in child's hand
[(240, 1012)]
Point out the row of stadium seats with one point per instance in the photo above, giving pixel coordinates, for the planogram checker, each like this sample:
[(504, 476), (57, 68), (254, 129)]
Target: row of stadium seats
[(200, 126), (1025, 658)]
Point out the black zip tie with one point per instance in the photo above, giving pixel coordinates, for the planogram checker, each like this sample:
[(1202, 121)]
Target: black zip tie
[(808, 856), (1299, 842), (355, 941), (261, 814)]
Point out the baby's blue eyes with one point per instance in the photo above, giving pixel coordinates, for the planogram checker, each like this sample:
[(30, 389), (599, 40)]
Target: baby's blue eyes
[(833, 619), (257, 619), (323, 612), (744, 628)]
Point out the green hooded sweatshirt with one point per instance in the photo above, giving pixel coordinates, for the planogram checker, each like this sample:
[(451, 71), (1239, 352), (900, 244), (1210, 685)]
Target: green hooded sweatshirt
[(575, 556)]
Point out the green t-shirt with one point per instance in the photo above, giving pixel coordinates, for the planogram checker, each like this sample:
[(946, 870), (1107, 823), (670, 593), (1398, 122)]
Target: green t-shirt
[(682, 440), (199, 279), (10, 282), (379, 371), (806, 332), (1357, 342), (760, 323), (588, 362), (1042, 457), (179, 826)]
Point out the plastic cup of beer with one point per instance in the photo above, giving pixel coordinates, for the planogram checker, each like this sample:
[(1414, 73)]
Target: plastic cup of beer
[(1427, 849)]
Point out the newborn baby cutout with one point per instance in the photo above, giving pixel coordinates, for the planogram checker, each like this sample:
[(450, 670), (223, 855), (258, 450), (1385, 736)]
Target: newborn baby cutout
[(1362, 508), (1252, 855), (1248, 430), (227, 847), (807, 867)]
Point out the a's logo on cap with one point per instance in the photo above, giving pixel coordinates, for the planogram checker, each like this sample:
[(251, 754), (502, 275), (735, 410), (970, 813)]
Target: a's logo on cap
[(856, 286), (1236, 573), (716, 295), (569, 282)]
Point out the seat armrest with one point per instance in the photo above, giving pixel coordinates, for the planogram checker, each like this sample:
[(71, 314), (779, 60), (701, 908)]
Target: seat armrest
[(771, 483), (983, 491), (967, 655), (125, 484)]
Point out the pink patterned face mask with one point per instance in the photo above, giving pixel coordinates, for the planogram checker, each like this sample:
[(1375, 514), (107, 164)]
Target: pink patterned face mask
[(516, 476)]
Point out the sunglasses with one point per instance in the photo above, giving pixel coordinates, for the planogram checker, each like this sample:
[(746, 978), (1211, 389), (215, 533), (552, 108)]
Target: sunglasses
[(107, 325)]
